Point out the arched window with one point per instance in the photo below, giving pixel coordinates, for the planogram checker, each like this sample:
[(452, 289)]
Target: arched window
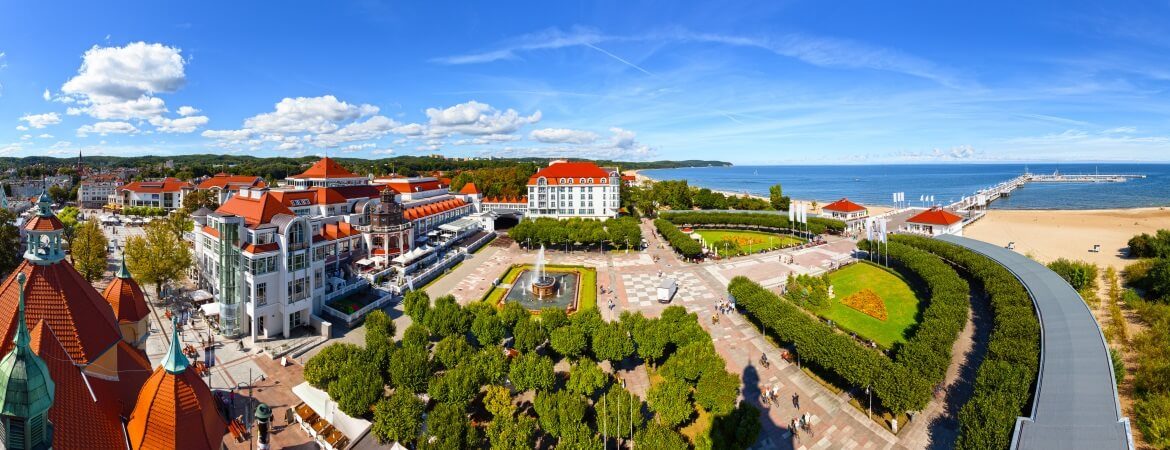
[(296, 234)]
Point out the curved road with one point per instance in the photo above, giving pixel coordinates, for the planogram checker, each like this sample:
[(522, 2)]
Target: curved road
[(1075, 405)]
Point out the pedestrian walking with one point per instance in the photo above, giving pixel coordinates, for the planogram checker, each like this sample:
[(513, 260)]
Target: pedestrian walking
[(795, 400)]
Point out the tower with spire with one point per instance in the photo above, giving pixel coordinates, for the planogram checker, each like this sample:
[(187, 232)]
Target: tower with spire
[(175, 409), (126, 298), (26, 392)]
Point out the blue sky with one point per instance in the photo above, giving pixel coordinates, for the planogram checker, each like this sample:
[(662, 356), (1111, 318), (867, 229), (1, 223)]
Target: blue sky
[(767, 82)]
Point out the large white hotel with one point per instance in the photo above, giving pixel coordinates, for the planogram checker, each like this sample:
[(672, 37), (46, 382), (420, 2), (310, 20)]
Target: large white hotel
[(273, 256)]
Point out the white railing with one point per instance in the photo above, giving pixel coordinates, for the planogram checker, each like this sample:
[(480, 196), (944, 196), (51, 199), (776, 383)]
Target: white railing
[(349, 287), (352, 318)]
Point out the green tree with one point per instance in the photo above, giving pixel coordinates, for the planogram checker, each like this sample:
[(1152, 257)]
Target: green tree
[(671, 402), (1158, 278), (59, 194), (569, 341), (553, 318), (491, 364), (586, 378), (659, 437), (620, 411), (497, 400), (512, 314), (559, 410), (579, 437), (448, 428), (650, 337), (324, 367), (612, 342), (9, 239), (157, 258), (178, 223), (738, 430), (88, 251), (199, 199), (410, 369), (716, 391), (452, 350), (69, 219), (488, 329), (416, 304), (530, 371), (512, 433), (357, 388), (458, 385), (447, 318), (378, 327), (776, 198), (529, 334), (416, 335)]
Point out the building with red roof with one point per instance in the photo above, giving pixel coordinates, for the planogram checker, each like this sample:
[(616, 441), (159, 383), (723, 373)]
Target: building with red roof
[(129, 304), (175, 409), (292, 249), (325, 173), (224, 186), (846, 211), (166, 193), (935, 221), (46, 306), (574, 189)]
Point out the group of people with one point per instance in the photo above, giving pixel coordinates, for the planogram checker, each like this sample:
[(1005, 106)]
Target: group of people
[(800, 424)]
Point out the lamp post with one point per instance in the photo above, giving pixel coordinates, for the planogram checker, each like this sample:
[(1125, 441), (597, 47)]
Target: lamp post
[(869, 409), (263, 422)]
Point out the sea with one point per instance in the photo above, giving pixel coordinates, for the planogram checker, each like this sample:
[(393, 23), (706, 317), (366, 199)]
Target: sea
[(875, 184)]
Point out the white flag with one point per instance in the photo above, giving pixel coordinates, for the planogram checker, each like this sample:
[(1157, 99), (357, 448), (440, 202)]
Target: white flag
[(922, 198), (791, 212), (932, 198), (883, 228), (869, 229), (804, 213), (895, 197)]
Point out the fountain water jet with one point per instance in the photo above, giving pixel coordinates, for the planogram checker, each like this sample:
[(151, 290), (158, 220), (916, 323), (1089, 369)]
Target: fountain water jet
[(543, 285)]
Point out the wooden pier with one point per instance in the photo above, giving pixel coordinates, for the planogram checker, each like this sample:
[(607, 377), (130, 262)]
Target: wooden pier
[(984, 197)]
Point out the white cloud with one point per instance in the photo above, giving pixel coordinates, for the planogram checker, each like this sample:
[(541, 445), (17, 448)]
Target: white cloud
[(1121, 130), (6, 149), (372, 128), (188, 111), (475, 118), (357, 147), (563, 136), (289, 146), (622, 144), (104, 128), (119, 74), (45, 136), (410, 129), (62, 144), (47, 96), (139, 108), (228, 135), (26, 137), (308, 115), (384, 151), (21, 128), (180, 125), (41, 120)]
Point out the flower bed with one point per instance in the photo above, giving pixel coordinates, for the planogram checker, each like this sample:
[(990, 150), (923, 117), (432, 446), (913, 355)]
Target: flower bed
[(867, 301)]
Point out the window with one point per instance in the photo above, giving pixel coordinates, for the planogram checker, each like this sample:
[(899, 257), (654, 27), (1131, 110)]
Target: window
[(297, 234), (319, 253), (298, 289), (261, 298), (318, 279), (297, 261)]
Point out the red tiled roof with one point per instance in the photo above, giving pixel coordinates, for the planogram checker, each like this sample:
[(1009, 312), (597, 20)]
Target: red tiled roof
[(254, 211), (78, 420), (175, 411), (80, 318), (155, 187), (39, 223), (843, 205), (221, 180), (326, 168), (408, 185), (629, 178), (419, 212), (469, 188), (936, 216), (133, 370), (571, 170), (340, 230), (262, 248), (328, 196), (212, 231), (125, 297)]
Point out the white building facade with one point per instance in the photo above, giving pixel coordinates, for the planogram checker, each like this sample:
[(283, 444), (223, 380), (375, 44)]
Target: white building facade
[(574, 189)]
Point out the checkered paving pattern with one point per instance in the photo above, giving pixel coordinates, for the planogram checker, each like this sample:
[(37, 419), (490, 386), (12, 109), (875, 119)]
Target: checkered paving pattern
[(642, 289)]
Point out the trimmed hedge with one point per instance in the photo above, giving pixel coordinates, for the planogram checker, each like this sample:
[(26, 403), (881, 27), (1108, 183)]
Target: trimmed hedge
[(682, 243), (1003, 383), (817, 225)]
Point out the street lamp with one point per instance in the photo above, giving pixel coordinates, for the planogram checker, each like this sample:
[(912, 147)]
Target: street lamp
[(263, 421), (869, 409)]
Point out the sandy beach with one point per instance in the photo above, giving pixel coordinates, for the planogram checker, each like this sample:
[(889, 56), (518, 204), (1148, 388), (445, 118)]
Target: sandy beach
[(1050, 234)]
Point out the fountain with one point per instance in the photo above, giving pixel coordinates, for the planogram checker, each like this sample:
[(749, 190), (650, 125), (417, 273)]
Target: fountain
[(543, 285)]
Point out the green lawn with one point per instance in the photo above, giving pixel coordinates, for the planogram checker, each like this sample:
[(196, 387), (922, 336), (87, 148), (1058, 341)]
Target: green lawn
[(748, 241), (901, 303)]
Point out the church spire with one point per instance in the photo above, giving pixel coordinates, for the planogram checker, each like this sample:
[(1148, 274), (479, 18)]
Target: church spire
[(176, 362), (26, 390), (123, 272)]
